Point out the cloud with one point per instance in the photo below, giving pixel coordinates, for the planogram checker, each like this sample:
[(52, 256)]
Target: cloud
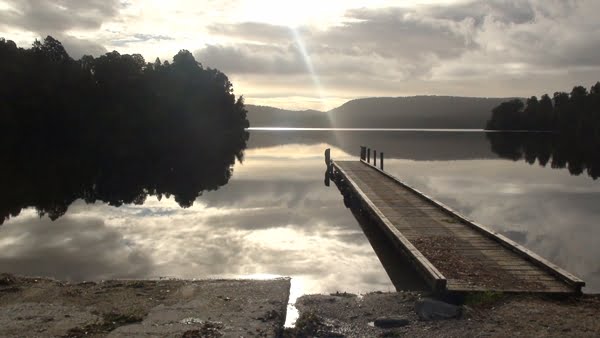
[(80, 47), (253, 31), (59, 18), (252, 58), (141, 38), (397, 33), (473, 48), (512, 11), (46, 17), (373, 41)]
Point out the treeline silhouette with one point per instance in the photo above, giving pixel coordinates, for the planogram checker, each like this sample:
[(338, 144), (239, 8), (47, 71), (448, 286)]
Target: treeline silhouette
[(573, 120), (113, 128)]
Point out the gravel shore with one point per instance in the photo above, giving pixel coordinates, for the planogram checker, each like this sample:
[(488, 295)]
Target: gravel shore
[(485, 315), (39, 307)]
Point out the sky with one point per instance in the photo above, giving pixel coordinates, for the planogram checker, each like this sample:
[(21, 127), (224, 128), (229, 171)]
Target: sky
[(319, 54)]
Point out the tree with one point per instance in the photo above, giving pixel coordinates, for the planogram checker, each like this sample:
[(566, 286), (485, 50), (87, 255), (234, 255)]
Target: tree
[(561, 108), (575, 119), (546, 113), (112, 128), (507, 116), (185, 60), (52, 49), (530, 113)]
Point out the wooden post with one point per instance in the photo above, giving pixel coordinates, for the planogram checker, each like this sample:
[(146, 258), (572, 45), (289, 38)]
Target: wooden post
[(375, 158), (368, 155), (328, 161), (381, 160)]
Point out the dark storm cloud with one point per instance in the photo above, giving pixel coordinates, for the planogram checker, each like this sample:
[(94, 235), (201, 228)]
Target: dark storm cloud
[(69, 248), (56, 16)]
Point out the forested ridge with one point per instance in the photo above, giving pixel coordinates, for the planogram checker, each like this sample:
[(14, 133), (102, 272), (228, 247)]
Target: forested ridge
[(113, 128), (572, 120)]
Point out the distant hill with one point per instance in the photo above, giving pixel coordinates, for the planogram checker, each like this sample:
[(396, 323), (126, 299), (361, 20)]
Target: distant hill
[(385, 112), (416, 112), (263, 116)]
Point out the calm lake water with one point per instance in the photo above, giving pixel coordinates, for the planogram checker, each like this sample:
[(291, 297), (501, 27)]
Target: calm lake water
[(275, 217)]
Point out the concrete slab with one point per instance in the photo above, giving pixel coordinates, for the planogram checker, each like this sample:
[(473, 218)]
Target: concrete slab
[(38, 307)]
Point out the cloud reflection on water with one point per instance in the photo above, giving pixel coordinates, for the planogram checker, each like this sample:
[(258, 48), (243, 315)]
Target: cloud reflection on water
[(74, 248), (274, 217)]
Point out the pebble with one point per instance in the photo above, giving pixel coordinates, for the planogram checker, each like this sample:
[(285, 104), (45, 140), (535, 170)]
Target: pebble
[(431, 309), (391, 321)]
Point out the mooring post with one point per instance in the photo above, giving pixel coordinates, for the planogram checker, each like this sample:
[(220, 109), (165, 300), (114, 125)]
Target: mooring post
[(375, 158), (381, 160), (329, 170), (368, 155)]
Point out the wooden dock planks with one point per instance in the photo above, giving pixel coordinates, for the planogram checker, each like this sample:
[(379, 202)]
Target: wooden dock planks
[(451, 252)]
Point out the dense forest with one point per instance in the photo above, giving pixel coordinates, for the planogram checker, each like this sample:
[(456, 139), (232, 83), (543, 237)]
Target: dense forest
[(113, 128), (572, 121)]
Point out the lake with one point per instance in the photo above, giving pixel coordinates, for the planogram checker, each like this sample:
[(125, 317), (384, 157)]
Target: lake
[(276, 217)]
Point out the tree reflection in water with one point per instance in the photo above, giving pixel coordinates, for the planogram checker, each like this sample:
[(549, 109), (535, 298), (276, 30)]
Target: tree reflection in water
[(574, 152), (113, 129)]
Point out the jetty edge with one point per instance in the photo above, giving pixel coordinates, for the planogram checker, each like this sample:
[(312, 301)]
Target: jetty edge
[(450, 252)]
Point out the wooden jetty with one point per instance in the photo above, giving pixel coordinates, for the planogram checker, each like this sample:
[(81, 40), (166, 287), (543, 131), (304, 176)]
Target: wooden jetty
[(451, 252)]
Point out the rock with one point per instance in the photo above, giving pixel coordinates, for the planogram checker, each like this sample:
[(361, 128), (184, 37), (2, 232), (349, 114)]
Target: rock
[(430, 309), (466, 312), (7, 279), (392, 321)]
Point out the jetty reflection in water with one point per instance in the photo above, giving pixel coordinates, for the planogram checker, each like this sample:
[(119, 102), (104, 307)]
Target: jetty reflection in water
[(399, 269)]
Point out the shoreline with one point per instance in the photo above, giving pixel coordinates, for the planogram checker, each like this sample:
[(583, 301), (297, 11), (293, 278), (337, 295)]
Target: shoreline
[(483, 315), (44, 307)]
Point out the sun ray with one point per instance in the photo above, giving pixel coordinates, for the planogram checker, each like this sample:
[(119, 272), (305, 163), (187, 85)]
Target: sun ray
[(309, 65), (314, 76)]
